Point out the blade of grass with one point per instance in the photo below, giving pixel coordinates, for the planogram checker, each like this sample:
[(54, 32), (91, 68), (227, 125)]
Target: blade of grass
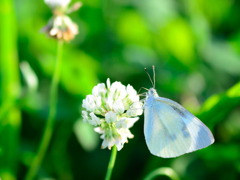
[(163, 171), (9, 91)]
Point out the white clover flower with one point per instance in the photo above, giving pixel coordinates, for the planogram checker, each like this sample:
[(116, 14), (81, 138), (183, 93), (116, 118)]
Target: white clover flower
[(112, 109), (61, 27), (57, 3)]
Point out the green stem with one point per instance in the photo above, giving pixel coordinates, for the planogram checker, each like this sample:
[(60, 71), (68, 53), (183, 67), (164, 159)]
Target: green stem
[(47, 134), (111, 163)]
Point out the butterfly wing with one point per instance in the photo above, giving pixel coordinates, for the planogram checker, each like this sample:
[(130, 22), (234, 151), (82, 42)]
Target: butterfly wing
[(201, 136), (166, 133)]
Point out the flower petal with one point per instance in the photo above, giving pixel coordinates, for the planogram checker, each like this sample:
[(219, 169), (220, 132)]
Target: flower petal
[(118, 107), (99, 90), (136, 109), (95, 120), (110, 117), (85, 116)]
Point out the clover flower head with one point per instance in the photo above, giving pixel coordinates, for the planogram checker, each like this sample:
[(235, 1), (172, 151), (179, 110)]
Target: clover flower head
[(60, 26), (112, 109), (57, 3)]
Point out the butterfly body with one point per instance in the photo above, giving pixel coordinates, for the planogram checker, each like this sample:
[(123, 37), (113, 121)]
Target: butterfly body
[(170, 130)]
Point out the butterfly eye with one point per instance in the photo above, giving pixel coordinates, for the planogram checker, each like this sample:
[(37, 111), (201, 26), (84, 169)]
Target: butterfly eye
[(152, 92)]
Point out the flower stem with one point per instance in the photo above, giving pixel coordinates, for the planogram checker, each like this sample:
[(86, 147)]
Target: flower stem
[(111, 163), (47, 134)]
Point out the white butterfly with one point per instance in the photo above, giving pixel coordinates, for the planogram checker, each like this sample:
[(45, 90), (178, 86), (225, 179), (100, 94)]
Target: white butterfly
[(170, 130)]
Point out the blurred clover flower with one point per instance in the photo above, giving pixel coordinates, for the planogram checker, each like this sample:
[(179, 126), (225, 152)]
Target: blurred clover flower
[(112, 109), (60, 26), (57, 3)]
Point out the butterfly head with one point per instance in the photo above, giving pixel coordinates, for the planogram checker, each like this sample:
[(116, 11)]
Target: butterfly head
[(152, 92)]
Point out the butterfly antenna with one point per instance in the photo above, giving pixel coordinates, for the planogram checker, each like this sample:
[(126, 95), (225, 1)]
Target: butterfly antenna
[(141, 89), (145, 69), (154, 76)]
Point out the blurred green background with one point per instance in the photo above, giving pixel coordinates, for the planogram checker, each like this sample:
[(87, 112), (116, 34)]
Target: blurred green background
[(194, 45)]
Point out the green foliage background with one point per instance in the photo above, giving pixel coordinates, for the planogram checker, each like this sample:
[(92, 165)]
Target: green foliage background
[(195, 47)]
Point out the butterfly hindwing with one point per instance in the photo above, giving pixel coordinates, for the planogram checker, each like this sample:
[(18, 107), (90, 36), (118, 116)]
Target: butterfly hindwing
[(201, 136)]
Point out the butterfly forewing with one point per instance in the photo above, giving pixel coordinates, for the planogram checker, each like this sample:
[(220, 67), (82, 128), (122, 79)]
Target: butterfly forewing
[(165, 132)]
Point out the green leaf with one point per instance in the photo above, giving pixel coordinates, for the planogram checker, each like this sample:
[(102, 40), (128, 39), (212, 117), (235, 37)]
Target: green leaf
[(132, 29), (86, 135), (218, 106), (177, 37)]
